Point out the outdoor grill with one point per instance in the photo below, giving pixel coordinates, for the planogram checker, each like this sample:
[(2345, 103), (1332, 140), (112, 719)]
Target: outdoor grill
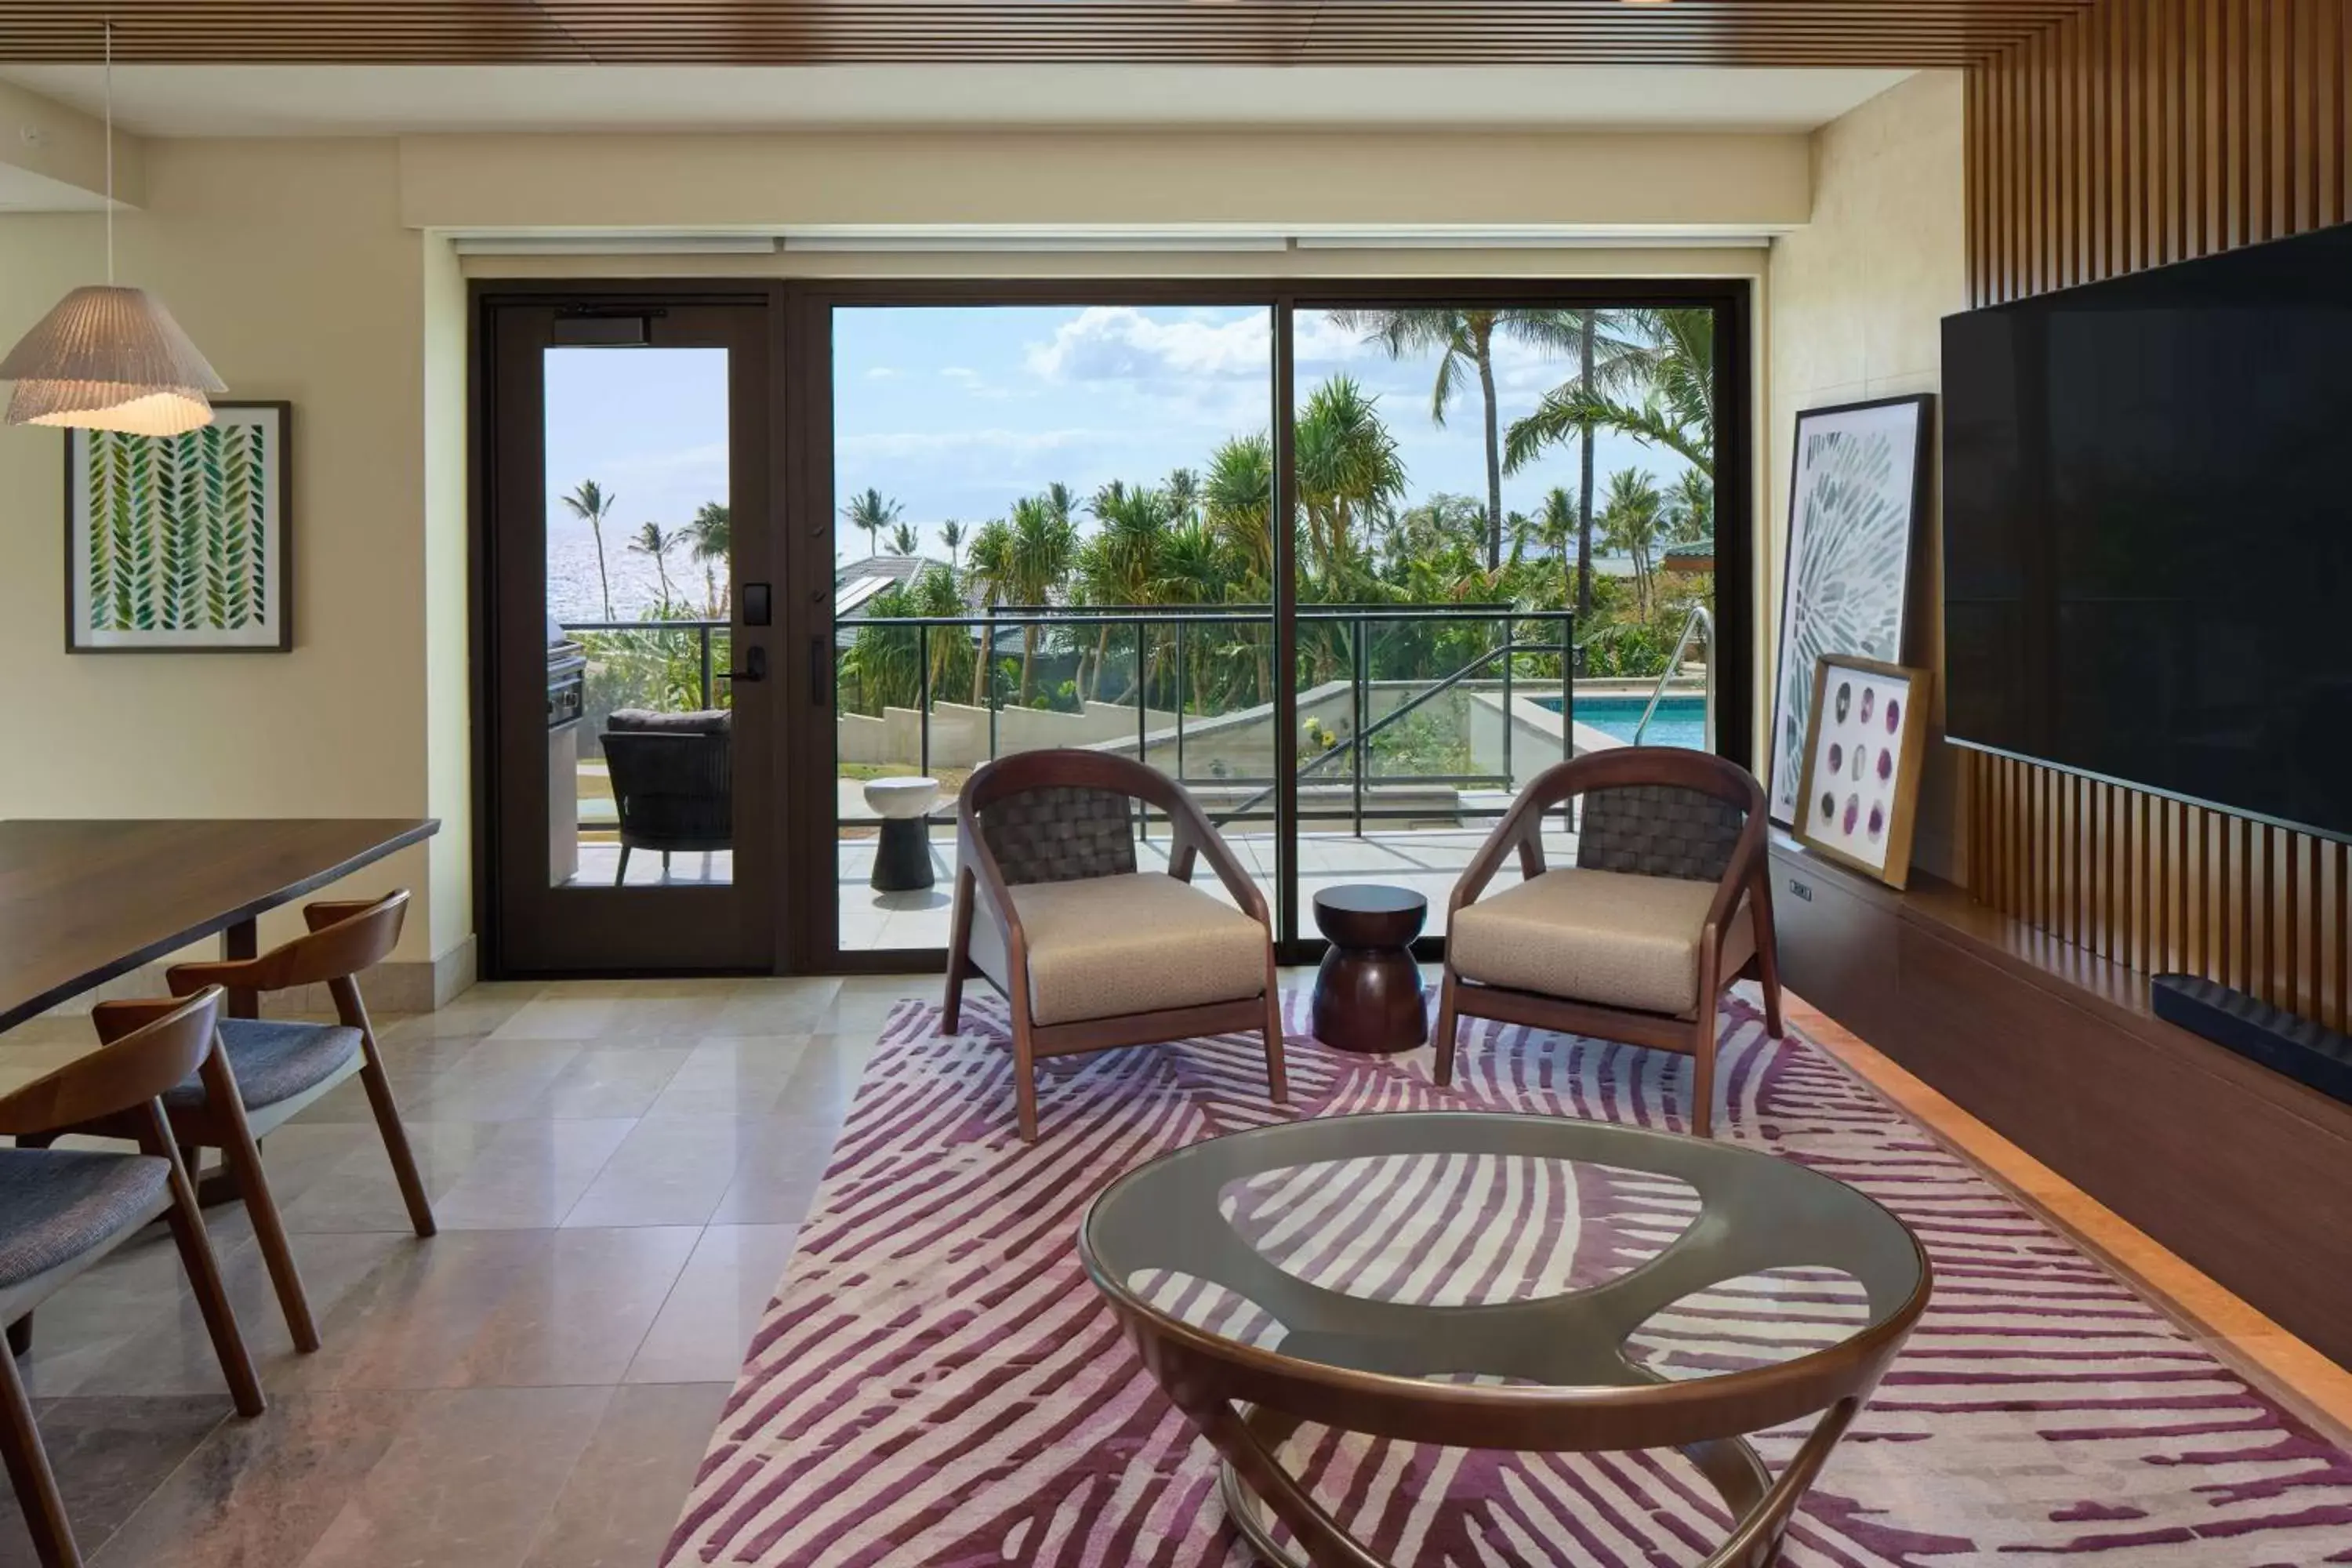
[(567, 683)]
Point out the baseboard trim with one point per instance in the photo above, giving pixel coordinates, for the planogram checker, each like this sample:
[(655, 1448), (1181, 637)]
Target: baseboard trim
[(414, 985)]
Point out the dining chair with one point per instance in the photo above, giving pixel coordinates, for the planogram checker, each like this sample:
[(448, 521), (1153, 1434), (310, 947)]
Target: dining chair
[(1669, 903), (61, 1210), (281, 1066), (1089, 952)]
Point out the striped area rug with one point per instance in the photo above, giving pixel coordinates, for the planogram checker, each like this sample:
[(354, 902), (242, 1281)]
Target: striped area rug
[(936, 1383)]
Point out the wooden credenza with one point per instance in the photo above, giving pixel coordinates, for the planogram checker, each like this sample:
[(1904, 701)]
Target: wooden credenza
[(2244, 1174)]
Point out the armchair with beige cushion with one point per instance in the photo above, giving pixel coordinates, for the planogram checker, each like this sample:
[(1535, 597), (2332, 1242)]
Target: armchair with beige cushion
[(1088, 950), (1669, 903)]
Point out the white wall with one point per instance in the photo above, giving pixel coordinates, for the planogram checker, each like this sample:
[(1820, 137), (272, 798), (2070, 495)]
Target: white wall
[(316, 271), (1856, 302)]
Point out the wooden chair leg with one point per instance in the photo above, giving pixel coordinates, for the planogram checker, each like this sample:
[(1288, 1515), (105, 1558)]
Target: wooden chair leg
[(243, 1156), (352, 1008), (1448, 1019), (1024, 1066), (1768, 960), (1703, 1029), (28, 1470), (195, 1247), (1277, 1081), (622, 874), (959, 951)]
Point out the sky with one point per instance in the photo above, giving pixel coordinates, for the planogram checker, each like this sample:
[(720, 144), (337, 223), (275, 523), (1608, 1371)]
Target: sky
[(956, 411)]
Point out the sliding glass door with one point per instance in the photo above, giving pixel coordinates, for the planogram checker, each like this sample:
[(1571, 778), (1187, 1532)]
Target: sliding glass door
[(1513, 529)]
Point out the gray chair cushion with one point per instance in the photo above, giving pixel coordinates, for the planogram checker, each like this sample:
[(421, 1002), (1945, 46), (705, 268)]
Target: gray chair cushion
[(645, 721), (57, 1203), (274, 1059)]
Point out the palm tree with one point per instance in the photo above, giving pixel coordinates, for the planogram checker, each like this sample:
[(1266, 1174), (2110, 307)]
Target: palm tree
[(872, 513), (1631, 522), (712, 537), (588, 502), (989, 582), (1121, 562), (1555, 523), (1043, 543), (1192, 570), (1465, 343), (1237, 507), (1348, 470), (951, 537), (903, 541), (652, 541), (1669, 361), (1690, 508)]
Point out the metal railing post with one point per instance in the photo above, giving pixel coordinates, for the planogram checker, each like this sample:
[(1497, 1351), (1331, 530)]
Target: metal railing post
[(1510, 719), (1363, 718), (706, 667), (988, 678), (1142, 734), (923, 696), (1567, 685), (1180, 701)]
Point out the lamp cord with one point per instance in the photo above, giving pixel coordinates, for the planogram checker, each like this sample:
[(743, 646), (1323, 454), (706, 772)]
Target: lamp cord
[(109, 152)]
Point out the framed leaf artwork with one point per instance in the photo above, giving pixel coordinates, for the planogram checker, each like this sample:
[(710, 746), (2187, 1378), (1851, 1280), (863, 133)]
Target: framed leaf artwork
[(1856, 501), (181, 543)]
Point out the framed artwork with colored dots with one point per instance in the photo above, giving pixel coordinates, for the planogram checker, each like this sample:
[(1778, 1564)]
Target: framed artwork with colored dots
[(1864, 745)]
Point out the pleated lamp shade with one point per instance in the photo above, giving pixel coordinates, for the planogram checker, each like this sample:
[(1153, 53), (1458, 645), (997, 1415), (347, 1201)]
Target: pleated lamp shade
[(111, 358)]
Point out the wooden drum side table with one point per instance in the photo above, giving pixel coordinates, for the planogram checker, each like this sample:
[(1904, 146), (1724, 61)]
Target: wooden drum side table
[(1367, 993)]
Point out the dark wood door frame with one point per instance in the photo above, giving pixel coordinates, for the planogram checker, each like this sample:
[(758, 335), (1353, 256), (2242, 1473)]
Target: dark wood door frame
[(801, 469), (744, 940)]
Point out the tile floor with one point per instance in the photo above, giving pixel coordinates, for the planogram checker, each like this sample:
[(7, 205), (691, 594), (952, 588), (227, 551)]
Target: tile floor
[(618, 1169)]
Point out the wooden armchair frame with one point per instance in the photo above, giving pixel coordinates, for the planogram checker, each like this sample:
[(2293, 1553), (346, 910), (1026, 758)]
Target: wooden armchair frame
[(979, 880), (151, 1047), (1748, 876)]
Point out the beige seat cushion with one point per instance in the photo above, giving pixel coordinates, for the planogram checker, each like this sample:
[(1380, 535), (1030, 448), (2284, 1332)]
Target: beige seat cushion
[(1109, 946), (1605, 937)]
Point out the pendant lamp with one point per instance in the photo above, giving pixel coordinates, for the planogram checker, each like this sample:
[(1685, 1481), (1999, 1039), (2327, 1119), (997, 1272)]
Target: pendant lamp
[(109, 357)]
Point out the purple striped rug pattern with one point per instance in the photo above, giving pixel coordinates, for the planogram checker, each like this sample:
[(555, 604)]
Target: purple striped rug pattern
[(936, 1382)]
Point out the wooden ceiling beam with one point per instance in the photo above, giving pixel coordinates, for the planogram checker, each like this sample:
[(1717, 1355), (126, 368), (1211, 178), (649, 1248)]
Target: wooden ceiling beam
[(1785, 33)]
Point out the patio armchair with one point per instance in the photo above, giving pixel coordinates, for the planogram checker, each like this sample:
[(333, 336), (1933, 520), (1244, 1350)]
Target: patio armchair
[(1089, 952), (1669, 903), (673, 781)]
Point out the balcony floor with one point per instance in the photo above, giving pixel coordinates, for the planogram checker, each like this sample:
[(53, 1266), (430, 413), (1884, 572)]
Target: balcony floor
[(1429, 861)]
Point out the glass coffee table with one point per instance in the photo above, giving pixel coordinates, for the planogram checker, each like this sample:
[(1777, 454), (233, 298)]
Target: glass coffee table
[(1486, 1281)]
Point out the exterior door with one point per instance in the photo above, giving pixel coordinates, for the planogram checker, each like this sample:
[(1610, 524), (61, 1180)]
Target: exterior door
[(633, 657)]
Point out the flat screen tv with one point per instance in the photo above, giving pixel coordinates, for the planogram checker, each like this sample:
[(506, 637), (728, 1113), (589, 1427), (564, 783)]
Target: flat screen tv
[(2147, 530)]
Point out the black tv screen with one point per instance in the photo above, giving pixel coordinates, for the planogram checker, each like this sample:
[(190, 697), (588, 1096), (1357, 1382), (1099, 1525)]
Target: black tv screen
[(2147, 530)]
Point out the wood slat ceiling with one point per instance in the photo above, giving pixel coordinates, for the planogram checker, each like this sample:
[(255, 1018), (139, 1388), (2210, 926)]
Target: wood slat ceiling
[(1785, 33)]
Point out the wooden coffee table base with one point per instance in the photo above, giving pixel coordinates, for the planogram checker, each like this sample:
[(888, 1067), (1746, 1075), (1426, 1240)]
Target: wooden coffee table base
[(1252, 1482)]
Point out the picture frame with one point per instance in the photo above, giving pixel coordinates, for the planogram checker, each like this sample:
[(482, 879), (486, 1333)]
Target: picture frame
[(181, 543), (1858, 499), (1864, 747)]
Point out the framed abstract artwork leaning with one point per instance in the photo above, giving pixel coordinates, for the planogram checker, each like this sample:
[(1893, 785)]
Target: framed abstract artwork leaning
[(1859, 785), (1857, 497), (181, 543)]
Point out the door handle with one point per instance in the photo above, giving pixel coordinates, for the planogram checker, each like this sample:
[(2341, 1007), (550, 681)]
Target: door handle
[(820, 671), (755, 667)]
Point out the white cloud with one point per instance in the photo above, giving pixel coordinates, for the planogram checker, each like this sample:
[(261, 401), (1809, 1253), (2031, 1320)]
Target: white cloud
[(1118, 343), (917, 443), (882, 373)]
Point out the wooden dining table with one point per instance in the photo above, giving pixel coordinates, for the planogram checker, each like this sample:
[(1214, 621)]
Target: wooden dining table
[(84, 902)]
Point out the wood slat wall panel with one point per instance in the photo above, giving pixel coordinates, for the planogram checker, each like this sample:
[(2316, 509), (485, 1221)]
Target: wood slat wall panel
[(2136, 134), (1890, 33)]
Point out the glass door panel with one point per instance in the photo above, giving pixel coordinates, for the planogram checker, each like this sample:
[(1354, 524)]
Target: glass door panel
[(632, 808), (1053, 529), (1497, 557)]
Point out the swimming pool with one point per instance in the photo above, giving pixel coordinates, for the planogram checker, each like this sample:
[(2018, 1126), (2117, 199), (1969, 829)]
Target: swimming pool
[(1679, 720)]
